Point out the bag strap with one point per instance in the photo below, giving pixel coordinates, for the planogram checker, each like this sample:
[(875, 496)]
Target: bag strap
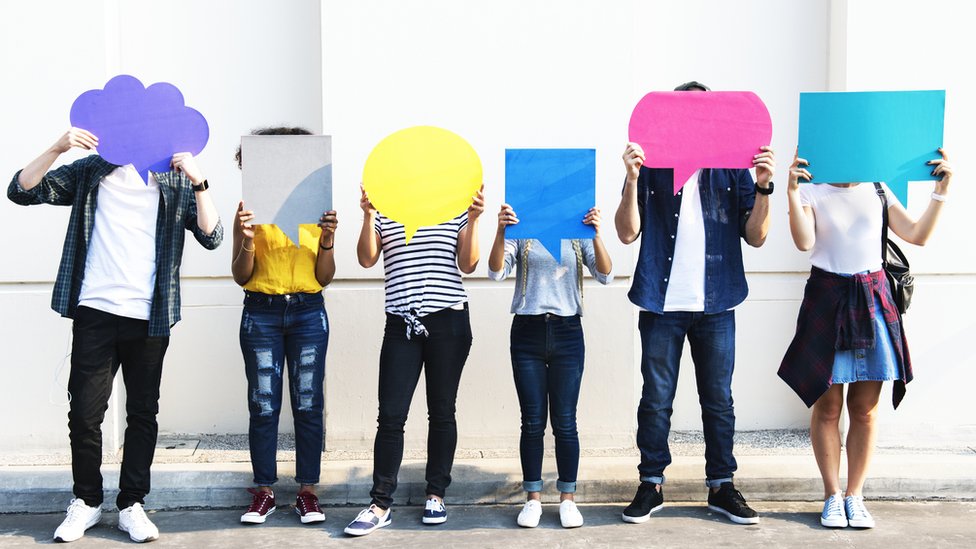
[(884, 223)]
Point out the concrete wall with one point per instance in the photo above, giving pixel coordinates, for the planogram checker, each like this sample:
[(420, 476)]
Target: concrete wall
[(502, 74)]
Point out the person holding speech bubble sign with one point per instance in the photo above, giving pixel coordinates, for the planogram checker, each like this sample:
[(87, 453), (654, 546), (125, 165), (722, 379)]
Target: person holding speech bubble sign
[(688, 280), (119, 282), (427, 329), (849, 330), (284, 321), (547, 351)]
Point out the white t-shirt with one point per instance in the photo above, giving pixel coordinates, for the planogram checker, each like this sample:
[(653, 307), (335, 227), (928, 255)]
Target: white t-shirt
[(847, 223), (686, 283), (120, 269)]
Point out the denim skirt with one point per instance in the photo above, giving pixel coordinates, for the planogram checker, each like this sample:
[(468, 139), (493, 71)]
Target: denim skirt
[(878, 364)]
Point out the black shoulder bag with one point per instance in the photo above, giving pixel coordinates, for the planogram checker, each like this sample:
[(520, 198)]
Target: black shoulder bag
[(894, 262)]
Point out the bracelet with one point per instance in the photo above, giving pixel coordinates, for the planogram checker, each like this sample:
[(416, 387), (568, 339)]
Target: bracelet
[(246, 249), (321, 247), (938, 197)]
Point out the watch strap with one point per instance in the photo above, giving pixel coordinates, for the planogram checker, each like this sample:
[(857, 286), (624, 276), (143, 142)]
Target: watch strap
[(766, 191)]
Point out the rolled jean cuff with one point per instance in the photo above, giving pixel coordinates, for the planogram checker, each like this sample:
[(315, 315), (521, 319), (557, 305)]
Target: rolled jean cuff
[(717, 482), (653, 480), (566, 487), (263, 482), (307, 480), (532, 485)]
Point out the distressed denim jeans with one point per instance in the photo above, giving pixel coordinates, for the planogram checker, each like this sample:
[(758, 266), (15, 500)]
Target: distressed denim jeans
[(547, 361), (712, 341), (280, 330)]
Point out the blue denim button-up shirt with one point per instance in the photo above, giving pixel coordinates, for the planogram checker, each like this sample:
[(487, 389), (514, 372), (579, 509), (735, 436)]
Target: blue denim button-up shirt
[(76, 185), (727, 198)]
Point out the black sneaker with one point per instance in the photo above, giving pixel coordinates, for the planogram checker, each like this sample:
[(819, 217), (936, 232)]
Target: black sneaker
[(647, 502), (729, 501)]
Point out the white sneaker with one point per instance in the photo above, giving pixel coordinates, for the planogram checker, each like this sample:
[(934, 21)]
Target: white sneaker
[(833, 515), (569, 515), (80, 517), (530, 514), (857, 514), (133, 520)]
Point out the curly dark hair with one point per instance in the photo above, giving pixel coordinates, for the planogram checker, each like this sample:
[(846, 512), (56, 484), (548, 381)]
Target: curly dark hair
[(274, 130)]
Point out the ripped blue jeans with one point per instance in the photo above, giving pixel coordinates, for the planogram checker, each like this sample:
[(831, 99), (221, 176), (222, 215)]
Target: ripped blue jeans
[(290, 329)]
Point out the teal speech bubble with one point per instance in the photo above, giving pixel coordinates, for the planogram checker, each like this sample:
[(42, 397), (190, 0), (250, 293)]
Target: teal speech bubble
[(854, 137)]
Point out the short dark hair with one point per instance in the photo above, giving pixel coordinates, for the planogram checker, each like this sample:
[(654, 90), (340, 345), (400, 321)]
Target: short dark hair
[(273, 130), (693, 85)]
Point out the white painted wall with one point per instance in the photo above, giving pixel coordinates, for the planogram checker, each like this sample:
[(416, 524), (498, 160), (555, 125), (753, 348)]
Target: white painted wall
[(911, 45), (501, 74)]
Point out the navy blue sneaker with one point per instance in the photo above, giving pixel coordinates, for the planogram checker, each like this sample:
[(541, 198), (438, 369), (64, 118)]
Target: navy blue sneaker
[(434, 512), (367, 521)]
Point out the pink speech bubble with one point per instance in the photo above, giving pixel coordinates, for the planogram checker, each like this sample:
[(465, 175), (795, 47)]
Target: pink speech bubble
[(689, 130)]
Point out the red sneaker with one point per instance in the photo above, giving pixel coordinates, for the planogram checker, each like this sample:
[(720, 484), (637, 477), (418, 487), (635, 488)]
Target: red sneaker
[(262, 505), (307, 507)]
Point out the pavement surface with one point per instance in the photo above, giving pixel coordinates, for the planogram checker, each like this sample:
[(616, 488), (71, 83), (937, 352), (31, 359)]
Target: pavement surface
[(784, 524), (213, 472)]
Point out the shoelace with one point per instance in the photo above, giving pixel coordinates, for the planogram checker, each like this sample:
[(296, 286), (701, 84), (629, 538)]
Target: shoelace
[(435, 505), (366, 515), (834, 507), (138, 515), (261, 501), (307, 503), (74, 511), (857, 509)]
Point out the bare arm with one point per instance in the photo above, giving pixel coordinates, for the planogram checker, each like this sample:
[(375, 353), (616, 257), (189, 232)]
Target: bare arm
[(325, 266), (242, 260), (757, 226), (627, 218), (496, 258), (468, 253), (207, 216), (802, 223), (603, 263), (368, 247), (918, 232)]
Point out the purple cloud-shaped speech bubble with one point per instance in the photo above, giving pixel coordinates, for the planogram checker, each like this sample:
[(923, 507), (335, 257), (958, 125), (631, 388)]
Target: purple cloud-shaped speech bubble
[(139, 125)]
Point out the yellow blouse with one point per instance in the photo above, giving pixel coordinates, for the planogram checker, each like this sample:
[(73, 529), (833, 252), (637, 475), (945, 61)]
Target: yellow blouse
[(279, 266)]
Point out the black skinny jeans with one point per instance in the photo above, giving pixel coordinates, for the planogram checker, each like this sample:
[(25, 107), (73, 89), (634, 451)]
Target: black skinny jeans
[(441, 355), (103, 342)]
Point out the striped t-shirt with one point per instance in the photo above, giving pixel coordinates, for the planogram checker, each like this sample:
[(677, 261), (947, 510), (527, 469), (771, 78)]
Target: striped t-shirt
[(422, 277)]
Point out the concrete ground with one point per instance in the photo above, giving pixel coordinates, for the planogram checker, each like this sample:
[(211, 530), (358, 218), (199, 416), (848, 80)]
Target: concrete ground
[(213, 474), (784, 524)]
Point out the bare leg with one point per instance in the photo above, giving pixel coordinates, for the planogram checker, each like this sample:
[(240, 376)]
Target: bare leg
[(563, 496), (825, 436), (862, 406), (533, 495)]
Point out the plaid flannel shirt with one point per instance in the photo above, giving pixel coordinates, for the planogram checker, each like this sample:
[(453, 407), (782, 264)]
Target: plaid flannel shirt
[(836, 314), (76, 185)]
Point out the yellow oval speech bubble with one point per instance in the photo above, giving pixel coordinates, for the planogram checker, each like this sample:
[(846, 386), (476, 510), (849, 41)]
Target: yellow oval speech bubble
[(422, 176)]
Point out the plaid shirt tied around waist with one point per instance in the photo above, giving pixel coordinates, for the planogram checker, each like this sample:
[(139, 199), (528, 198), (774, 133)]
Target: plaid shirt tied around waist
[(837, 314), (76, 185)]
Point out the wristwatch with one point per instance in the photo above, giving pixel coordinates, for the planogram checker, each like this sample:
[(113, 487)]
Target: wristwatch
[(767, 191), (202, 186)]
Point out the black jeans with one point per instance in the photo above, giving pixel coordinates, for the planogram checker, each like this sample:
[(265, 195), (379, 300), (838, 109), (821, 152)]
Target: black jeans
[(441, 355), (103, 342)]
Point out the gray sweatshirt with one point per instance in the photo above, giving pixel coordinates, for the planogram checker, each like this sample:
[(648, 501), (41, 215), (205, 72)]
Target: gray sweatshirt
[(545, 284)]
